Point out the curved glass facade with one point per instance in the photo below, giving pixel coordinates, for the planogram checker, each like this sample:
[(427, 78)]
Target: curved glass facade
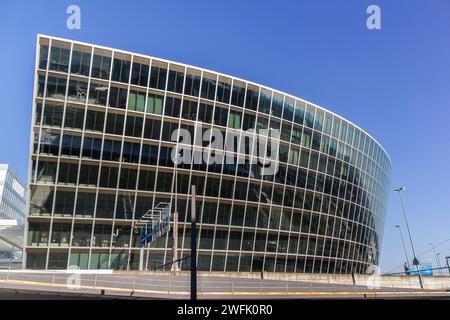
[(101, 157)]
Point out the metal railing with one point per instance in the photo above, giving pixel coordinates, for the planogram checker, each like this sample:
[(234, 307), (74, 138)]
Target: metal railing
[(438, 271), (148, 284)]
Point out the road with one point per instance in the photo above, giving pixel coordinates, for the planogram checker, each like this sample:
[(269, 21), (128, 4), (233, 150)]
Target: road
[(163, 286)]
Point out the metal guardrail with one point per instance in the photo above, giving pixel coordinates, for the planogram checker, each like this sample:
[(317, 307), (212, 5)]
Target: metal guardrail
[(166, 284), (438, 271)]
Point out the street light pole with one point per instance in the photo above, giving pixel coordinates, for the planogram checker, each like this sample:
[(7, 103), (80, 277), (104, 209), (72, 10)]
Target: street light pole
[(436, 257), (448, 265), (415, 260), (193, 245), (175, 268), (439, 262), (404, 247)]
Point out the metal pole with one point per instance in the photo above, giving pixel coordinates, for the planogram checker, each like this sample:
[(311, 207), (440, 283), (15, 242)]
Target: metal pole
[(435, 256), (415, 261), (438, 265), (193, 248), (404, 246), (146, 258), (11, 257), (175, 243), (448, 266), (175, 218), (141, 259)]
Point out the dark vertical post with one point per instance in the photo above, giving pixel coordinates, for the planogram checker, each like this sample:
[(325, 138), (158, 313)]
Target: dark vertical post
[(175, 243), (193, 248), (448, 266)]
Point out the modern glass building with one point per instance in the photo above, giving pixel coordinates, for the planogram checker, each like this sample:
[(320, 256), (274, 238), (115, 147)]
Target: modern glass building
[(100, 157), (11, 243), (13, 196)]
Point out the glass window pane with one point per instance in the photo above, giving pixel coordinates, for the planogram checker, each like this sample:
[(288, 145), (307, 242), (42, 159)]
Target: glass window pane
[(192, 85), (175, 82), (61, 234), (118, 97), (80, 63), (43, 57), (53, 115), (139, 75), (155, 103), (59, 59), (223, 92), (41, 201), (158, 78), (74, 118), (237, 98), (98, 94), (251, 100), (95, 120), (120, 71), (101, 67), (208, 88)]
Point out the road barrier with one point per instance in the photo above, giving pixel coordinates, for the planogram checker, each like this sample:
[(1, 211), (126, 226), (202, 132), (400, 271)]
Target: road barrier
[(172, 286)]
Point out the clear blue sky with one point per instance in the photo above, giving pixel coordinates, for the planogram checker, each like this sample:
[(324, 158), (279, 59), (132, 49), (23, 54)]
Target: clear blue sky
[(393, 82)]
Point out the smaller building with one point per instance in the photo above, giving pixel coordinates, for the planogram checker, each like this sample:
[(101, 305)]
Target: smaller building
[(13, 195), (11, 244)]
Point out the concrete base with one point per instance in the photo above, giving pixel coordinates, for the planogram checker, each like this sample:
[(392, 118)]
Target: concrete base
[(406, 282)]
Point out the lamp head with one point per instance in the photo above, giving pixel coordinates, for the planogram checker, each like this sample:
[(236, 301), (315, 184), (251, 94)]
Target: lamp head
[(400, 189)]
